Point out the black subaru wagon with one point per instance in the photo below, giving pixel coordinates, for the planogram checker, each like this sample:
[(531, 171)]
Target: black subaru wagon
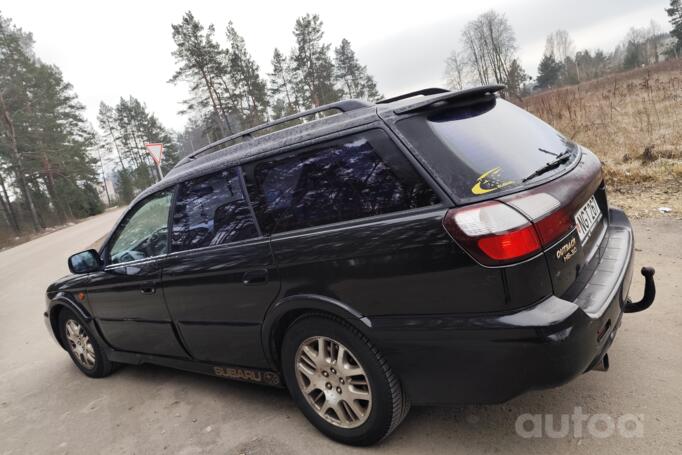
[(434, 248)]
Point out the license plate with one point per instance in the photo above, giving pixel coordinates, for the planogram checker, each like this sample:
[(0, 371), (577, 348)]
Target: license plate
[(586, 218)]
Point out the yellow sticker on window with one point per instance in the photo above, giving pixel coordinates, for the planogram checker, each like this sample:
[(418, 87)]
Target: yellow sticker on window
[(490, 181)]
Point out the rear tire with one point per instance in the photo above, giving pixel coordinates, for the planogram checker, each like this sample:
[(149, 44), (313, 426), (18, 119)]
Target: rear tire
[(82, 346), (340, 381)]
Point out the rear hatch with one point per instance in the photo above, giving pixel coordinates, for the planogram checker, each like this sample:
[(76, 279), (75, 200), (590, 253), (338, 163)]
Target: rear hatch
[(493, 150), (572, 258)]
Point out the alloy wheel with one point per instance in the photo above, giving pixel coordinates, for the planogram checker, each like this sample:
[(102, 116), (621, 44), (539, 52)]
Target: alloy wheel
[(333, 382), (80, 344)]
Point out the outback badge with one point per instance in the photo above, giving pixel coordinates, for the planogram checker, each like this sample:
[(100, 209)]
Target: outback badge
[(566, 251)]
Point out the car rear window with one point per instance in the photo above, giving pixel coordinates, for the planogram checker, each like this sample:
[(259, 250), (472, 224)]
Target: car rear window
[(355, 177), (484, 149)]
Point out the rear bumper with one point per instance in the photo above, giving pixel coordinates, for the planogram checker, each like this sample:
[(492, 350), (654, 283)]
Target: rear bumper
[(445, 359)]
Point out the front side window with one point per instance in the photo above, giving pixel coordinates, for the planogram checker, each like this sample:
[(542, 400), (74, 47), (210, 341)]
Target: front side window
[(211, 210), (356, 177), (144, 231)]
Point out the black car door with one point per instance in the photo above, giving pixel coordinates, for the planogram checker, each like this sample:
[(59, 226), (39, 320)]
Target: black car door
[(352, 219), (219, 278), (125, 297)]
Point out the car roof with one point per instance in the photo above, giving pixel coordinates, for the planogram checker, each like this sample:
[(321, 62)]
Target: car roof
[(353, 113)]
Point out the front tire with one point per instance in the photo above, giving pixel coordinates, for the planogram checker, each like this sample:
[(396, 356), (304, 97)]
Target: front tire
[(82, 346), (340, 381)]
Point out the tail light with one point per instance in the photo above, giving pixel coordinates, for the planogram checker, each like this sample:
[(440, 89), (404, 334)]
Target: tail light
[(550, 219), (495, 233)]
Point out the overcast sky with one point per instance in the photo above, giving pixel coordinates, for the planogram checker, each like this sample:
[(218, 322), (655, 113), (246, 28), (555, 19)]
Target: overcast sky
[(120, 48)]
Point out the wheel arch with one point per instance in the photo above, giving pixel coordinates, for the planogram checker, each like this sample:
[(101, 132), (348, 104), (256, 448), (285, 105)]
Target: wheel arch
[(285, 311), (57, 305)]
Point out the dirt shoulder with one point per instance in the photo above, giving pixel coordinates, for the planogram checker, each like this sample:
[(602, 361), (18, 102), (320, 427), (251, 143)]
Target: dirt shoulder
[(647, 203)]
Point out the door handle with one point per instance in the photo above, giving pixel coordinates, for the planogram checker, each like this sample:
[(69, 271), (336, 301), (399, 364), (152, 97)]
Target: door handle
[(255, 277), (148, 290)]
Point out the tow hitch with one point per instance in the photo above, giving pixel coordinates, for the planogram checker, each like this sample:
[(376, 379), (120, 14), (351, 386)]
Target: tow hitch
[(649, 293), (602, 364)]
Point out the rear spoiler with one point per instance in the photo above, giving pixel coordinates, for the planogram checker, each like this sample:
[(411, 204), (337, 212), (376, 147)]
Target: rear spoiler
[(471, 94), (422, 92)]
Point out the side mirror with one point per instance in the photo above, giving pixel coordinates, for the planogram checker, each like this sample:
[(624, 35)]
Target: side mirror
[(85, 262)]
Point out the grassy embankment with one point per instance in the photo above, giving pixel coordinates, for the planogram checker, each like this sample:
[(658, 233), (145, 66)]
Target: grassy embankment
[(633, 122)]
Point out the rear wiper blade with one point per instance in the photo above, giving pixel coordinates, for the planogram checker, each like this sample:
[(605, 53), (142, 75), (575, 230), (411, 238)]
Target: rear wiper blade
[(559, 160)]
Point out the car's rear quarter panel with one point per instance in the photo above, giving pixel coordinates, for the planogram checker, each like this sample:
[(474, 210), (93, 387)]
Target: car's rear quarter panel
[(398, 264)]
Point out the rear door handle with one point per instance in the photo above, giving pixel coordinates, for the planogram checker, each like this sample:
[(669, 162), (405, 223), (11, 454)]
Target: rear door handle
[(254, 277), (150, 289)]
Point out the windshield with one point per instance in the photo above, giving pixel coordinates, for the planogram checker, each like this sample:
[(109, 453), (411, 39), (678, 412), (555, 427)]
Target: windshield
[(486, 148)]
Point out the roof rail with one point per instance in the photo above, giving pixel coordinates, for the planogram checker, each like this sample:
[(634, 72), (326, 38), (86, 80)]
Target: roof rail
[(422, 92), (343, 106)]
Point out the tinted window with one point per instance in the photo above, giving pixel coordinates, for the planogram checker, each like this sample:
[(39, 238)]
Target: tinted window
[(211, 210), (144, 231), (486, 147), (359, 176)]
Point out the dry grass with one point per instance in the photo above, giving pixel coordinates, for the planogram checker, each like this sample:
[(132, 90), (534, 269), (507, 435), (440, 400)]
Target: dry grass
[(633, 122)]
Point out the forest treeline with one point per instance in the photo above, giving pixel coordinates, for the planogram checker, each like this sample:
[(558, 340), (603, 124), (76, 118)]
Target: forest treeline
[(488, 53), (229, 92), (47, 173)]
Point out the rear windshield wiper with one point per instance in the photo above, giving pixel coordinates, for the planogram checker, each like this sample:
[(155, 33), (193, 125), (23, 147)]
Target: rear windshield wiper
[(556, 162)]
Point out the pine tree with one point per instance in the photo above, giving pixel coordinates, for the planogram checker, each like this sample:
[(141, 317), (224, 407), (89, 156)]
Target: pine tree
[(202, 65), (351, 76), (633, 55), (45, 141), (127, 127), (282, 86), (106, 119), (371, 90), (675, 15), (516, 79), (549, 72), (63, 141), (124, 186), (15, 74), (249, 89), (314, 67), (193, 137)]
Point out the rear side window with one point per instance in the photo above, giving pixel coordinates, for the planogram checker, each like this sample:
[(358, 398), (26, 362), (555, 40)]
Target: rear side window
[(211, 210), (358, 176)]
